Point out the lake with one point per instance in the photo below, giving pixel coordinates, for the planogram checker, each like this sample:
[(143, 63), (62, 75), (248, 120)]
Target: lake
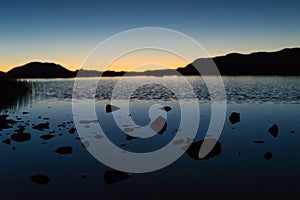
[(252, 163)]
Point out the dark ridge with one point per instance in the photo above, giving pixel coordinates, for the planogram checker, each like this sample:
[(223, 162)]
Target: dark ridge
[(285, 62), (40, 70)]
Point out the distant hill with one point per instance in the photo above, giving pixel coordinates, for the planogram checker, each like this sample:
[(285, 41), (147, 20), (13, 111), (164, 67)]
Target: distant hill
[(40, 70), (94, 73), (285, 62)]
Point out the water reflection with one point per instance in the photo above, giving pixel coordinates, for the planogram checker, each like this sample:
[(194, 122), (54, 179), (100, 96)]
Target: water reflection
[(246, 89), (42, 149)]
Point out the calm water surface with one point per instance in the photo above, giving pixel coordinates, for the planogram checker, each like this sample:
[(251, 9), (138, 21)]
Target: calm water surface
[(240, 172)]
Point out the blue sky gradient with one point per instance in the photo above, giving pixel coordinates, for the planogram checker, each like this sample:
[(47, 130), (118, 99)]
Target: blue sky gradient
[(65, 31)]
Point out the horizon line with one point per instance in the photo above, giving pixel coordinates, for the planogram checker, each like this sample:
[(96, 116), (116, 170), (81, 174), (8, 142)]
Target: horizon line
[(175, 67)]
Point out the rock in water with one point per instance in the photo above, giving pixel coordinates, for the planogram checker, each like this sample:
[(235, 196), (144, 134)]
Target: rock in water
[(98, 136), (21, 129), (268, 155), (111, 108), (20, 137), (41, 126), (234, 117), (159, 125), (40, 179), (64, 150), (72, 130), (112, 176), (7, 141), (194, 149), (166, 108), (129, 137), (259, 141), (5, 123), (273, 130), (128, 129), (47, 137)]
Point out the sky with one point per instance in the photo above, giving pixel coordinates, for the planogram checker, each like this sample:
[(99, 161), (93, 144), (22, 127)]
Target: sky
[(66, 31)]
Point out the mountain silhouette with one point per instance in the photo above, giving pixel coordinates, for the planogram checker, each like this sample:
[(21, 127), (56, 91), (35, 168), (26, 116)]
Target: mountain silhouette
[(40, 70), (285, 62)]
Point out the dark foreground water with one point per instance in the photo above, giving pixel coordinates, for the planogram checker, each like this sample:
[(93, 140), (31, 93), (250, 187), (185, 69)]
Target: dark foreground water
[(252, 164)]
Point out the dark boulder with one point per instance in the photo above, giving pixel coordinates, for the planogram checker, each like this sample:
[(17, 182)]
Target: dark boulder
[(234, 117), (64, 150), (41, 126), (111, 108), (7, 141), (268, 155), (40, 179), (159, 125), (5, 123), (166, 108), (273, 130), (112, 176), (194, 149), (47, 137), (20, 137), (72, 130)]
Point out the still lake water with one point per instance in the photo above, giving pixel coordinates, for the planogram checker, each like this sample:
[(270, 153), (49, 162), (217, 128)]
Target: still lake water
[(240, 172)]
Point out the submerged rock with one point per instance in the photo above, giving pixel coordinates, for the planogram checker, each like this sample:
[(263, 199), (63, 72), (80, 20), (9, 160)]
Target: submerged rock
[(234, 117), (268, 155), (83, 175), (41, 126), (194, 149), (40, 179), (87, 121), (112, 176), (6, 123), (178, 142), (129, 137), (20, 137), (47, 137), (111, 108), (159, 125), (273, 130), (21, 129), (259, 141), (166, 108), (98, 136), (7, 141), (64, 150), (127, 129), (72, 130)]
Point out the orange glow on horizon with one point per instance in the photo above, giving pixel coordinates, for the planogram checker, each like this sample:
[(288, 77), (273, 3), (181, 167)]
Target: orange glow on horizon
[(134, 61), (141, 60)]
